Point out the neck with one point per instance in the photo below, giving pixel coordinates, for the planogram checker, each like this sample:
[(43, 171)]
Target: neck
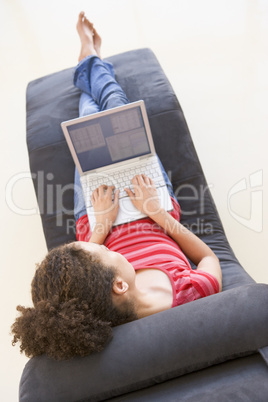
[(146, 304)]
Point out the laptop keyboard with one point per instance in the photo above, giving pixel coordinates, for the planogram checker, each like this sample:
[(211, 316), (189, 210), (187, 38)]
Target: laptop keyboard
[(121, 179)]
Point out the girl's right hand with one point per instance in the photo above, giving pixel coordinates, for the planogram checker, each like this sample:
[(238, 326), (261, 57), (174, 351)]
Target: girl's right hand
[(104, 206), (144, 197)]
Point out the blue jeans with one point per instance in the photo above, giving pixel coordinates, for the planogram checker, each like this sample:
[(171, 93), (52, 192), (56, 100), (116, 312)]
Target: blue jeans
[(100, 91)]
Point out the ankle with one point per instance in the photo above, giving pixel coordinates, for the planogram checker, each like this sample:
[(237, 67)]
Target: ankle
[(87, 51)]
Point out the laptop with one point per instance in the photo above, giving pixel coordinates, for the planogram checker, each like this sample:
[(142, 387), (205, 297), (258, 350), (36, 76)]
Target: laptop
[(110, 147)]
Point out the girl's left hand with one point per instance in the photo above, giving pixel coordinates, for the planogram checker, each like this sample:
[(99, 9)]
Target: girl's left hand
[(144, 197), (105, 208)]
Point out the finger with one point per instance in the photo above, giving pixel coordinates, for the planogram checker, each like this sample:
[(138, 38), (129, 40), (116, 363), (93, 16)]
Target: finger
[(146, 179), (135, 185), (116, 197), (151, 181), (95, 194), (129, 193), (134, 180), (140, 180), (102, 189), (110, 190)]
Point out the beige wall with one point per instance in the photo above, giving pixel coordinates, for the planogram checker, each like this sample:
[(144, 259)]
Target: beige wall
[(215, 54)]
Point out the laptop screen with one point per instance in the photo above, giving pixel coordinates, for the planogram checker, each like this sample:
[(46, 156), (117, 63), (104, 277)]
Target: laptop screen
[(109, 139)]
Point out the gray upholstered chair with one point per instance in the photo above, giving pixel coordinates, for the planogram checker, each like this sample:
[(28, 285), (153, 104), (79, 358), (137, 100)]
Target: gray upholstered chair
[(211, 349)]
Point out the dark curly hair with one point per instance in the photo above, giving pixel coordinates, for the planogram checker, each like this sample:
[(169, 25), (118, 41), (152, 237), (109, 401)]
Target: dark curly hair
[(73, 313)]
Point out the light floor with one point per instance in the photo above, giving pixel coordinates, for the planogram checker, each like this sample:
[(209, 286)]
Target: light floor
[(215, 54)]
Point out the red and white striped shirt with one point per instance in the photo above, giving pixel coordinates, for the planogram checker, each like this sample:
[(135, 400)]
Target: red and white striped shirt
[(145, 245)]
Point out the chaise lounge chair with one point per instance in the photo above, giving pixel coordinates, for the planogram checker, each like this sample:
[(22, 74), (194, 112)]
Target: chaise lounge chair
[(214, 348)]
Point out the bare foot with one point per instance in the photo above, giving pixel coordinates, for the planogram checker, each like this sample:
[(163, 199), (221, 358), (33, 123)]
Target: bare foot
[(86, 33), (97, 42)]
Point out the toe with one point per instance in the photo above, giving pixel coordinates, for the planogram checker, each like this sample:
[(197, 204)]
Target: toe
[(81, 15), (95, 33), (90, 25)]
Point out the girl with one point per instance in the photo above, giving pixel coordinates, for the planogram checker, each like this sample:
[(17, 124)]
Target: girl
[(111, 275)]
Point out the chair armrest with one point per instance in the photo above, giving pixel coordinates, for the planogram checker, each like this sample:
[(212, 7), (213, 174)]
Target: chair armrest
[(157, 348)]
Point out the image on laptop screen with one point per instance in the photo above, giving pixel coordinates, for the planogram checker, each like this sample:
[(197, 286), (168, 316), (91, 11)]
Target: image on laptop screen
[(109, 138)]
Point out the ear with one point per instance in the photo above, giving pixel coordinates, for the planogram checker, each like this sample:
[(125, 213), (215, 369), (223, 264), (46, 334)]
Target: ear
[(120, 287)]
